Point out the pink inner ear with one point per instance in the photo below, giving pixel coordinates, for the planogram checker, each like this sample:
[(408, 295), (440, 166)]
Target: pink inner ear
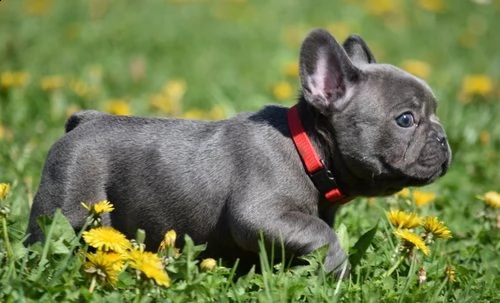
[(326, 80), (328, 87), (332, 85)]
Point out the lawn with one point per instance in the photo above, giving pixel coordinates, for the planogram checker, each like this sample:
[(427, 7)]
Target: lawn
[(203, 59)]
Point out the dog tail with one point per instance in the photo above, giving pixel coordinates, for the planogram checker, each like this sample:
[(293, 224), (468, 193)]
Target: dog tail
[(80, 118)]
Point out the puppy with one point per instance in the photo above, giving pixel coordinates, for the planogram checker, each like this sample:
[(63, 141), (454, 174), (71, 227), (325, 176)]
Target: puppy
[(358, 129)]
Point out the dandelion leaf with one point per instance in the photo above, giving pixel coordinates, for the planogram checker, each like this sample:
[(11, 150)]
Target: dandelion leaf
[(343, 237), (59, 234), (359, 249)]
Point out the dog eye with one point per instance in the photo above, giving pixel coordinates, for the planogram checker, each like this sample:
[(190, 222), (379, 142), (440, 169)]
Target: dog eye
[(405, 120)]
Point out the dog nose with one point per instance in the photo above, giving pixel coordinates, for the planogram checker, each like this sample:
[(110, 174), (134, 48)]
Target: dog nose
[(442, 140)]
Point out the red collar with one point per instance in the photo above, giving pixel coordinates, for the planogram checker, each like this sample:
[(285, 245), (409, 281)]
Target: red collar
[(315, 168)]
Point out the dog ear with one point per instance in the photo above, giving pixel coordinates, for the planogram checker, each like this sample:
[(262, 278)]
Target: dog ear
[(358, 51), (326, 72)]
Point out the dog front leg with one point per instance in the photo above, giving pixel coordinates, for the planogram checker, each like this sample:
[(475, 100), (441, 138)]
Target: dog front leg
[(301, 234)]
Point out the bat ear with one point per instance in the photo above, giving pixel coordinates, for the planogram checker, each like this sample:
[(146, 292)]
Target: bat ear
[(358, 51), (326, 72)]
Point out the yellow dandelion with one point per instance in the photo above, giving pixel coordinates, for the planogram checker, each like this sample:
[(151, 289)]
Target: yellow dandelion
[(100, 207), (118, 107), (38, 7), (382, 7), (401, 219), (106, 238), (208, 264), (492, 199), (6, 79), (436, 227), (175, 89), (339, 29), (404, 193), (165, 104), (195, 114), (4, 190), (291, 69), (14, 79), (217, 113), (104, 265), (282, 91), (484, 138), (450, 273), (150, 265), (422, 198), (168, 239), (476, 85), (80, 88), (418, 68), (51, 83), (435, 6), (412, 240), (5, 133), (71, 109)]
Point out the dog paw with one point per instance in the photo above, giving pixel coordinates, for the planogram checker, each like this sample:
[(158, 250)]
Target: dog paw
[(343, 271)]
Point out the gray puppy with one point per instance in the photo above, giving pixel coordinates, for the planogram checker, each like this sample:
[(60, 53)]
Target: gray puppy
[(372, 128)]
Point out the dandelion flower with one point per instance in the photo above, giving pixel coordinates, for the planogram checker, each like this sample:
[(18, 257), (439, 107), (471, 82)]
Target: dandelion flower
[(484, 138), (450, 273), (412, 240), (175, 89), (435, 6), (168, 239), (402, 219), (14, 79), (195, 114), (492, 199), (100, 207), (165, 104), (105, 265), (118, 107), (4, 190), (80, 88), (404, 193), (5, 133), (217, 113), (282, 91), (477, 85), (418, 68), (51, 83), (340, 29), (106, 238), (150, 265), (382, 7), (38, 7), (421, 197), (291, 69), (208, 264), (436, 227)]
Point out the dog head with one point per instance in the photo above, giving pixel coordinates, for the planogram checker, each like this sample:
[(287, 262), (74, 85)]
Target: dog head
[(383, 120)]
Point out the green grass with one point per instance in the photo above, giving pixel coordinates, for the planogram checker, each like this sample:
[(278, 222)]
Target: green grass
[(230, 55)]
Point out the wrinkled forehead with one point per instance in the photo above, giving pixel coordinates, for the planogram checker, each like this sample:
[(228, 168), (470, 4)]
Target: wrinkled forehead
[(399, 86)]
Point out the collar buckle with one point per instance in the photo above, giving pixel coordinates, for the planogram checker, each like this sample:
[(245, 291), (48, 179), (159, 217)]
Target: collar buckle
[(323, 180)]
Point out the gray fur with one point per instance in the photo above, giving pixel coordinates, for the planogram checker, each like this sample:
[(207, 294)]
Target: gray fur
[(225, 182)]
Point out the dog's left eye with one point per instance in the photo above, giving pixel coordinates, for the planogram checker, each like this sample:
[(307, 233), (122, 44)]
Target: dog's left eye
[(405, 120)]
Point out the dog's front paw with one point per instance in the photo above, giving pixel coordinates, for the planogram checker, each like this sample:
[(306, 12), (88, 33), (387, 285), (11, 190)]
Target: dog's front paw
[(342, 271), (338, 264)]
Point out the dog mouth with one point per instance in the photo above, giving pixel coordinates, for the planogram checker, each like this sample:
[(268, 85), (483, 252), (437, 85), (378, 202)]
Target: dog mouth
[(413, 175)]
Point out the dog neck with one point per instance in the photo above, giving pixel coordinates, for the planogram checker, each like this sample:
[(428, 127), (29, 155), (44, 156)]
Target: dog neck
[(317, 161)]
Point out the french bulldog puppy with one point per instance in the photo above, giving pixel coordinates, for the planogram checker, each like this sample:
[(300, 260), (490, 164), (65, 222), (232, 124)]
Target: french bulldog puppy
[(371, 127)]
